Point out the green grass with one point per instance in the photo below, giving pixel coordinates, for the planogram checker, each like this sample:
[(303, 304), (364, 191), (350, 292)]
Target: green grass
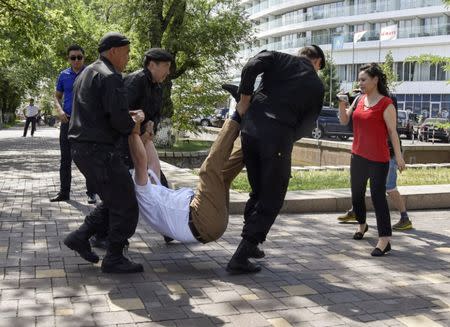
[(188, 146), (323, 180)]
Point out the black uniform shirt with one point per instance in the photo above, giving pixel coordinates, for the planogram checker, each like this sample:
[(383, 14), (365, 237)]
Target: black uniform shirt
[(100, 107), (290, 94), (144, 94)]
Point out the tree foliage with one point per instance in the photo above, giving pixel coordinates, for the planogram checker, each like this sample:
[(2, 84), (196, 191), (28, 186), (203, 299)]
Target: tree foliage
[(388, 68), (203, 36), (330, 72), (432, 59), (34, 35)]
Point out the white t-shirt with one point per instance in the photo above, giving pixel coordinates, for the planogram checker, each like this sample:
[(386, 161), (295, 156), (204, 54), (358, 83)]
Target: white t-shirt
[(31, 111), (165, 210)]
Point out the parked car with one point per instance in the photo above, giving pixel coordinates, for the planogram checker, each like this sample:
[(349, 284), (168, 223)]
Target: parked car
[(216, 119), (328, 125), (219, 117), (203, 120), (405, 123), (430, 130)]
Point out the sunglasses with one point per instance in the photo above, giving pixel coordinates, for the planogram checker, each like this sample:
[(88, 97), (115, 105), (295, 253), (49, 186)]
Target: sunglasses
[(73, 58)]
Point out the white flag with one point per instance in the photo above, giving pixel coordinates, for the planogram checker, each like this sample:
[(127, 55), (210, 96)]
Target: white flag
[(388, 33), (358, 36)]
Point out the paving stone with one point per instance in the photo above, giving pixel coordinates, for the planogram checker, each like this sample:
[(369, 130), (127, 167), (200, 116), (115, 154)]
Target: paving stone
[(64, 312), (125, 304), (218, 309), (435, 278), (298, 290), (194, 322), (50, 273), (249, 319), (162, 314), (309, 279), (176, 289), (250, 297), (279, 322), (418, 321), (105, 318), (225, 296)]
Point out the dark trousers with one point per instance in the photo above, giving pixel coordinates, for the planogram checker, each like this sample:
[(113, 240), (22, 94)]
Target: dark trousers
[(65, 167), (268, 165), (29, 120), (362, 170), (104, 168)]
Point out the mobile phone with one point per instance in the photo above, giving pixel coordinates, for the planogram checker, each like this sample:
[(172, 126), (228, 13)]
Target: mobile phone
[(342, 97)]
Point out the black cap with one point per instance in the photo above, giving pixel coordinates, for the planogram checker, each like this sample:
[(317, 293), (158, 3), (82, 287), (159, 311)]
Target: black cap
[(158, 54), (321, 54), (112, 40)]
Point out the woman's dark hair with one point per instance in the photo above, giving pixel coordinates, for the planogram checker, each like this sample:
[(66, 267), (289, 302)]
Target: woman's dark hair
[(75, 47), (374, 70)]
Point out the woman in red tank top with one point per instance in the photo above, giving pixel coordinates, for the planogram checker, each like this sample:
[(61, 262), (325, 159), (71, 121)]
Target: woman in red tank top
[(374, 120)]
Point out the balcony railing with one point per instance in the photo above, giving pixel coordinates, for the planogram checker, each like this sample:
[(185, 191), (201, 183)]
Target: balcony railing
[(330, 11), (322, 39)]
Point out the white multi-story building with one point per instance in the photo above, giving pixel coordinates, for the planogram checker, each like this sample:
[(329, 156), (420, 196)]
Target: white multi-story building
[(423, 28)]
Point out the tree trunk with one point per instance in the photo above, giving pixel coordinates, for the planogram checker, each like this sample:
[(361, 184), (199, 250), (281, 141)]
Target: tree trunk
[(164, 137)]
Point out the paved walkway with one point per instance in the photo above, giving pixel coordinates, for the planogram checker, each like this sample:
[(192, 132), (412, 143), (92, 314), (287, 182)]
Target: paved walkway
[(314, 274)]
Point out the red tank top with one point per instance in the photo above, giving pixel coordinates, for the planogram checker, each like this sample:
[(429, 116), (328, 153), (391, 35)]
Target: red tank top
[(370, 135)]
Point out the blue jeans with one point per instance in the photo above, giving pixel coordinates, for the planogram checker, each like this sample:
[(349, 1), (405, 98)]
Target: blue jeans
[(391, 181)]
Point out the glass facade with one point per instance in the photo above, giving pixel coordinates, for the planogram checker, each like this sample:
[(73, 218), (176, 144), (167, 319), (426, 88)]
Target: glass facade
[(406, 71), (432, 26), (411, 25), (345, 8), (428, 105)]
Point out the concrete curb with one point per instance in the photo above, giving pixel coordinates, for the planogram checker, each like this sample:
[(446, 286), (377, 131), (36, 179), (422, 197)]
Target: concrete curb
[(336, 200)]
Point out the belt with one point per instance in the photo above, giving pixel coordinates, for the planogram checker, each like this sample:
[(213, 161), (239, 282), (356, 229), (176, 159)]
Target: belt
[(194, 230)]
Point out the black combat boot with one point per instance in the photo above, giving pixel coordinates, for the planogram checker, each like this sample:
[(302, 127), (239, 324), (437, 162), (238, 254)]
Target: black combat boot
[(233, 90), (257, 253), (99, 241), (239, 263), (79, 242), (115, 262)]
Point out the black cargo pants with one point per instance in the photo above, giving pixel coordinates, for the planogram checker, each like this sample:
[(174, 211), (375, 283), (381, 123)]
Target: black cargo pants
[(104, 167), (268, 162)]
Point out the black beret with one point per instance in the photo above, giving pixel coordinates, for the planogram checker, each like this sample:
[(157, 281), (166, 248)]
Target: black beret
[(321, 54), (112, 40), (158, 54)]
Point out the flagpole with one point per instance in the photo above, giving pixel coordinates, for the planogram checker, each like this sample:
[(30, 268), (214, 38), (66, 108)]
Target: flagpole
[(353, 58), (331, 74), (379, 51)]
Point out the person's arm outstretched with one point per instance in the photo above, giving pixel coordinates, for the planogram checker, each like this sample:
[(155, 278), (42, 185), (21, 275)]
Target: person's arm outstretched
[(138, 155), (152, 153)]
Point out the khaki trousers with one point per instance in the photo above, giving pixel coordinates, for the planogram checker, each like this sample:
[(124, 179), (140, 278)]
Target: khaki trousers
[(209, 207)]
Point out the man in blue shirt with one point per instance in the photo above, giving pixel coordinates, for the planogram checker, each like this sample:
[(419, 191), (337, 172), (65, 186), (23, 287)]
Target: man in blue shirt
[(63, 104)]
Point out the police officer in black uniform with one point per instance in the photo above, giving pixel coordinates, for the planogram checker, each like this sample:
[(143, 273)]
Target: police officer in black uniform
[(100, 118), (144, 88), (144, 91), (283, 109)]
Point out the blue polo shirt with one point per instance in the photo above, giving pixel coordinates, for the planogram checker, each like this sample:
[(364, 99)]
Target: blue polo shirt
[(65, 85)]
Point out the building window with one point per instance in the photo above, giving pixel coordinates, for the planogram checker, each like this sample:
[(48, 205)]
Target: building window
[(320, 37), (425, 72), (399, 71), (288, 41), (406, 28), (441, 72), (342, 72), (407, 71)]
